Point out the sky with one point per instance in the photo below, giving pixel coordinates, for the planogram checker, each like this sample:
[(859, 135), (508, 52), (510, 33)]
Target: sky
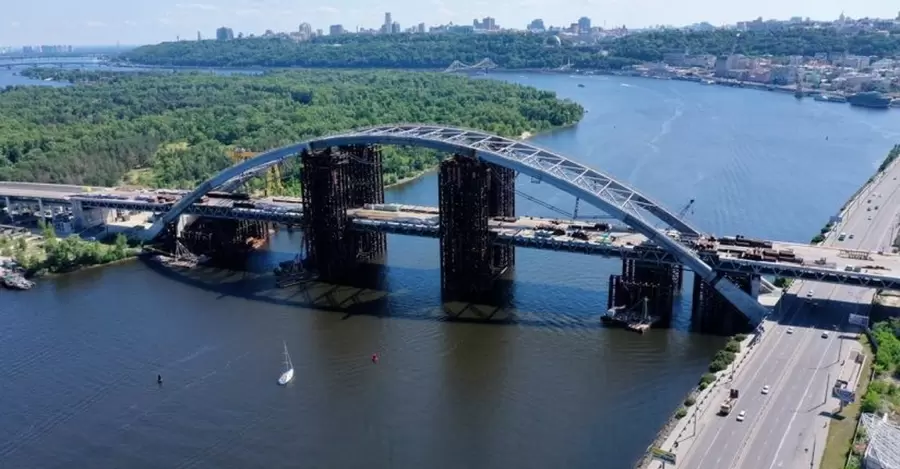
[(134, 22)]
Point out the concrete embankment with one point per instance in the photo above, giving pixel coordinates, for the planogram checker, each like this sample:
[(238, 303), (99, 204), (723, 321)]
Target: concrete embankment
[(676, 434)]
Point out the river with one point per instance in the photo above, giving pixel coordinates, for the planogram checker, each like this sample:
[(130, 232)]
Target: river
[(546, 387)]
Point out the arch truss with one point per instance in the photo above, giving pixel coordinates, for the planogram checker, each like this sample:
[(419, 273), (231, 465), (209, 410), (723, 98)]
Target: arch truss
[(592, 186)]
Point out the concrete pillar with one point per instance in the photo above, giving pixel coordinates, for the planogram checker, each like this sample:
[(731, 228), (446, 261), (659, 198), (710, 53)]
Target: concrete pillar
[(184, 221), (78, 216), (41, 207), (755, 286)]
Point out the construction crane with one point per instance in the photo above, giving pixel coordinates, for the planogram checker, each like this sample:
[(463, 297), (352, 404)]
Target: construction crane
[(273, 175), (684, 210)]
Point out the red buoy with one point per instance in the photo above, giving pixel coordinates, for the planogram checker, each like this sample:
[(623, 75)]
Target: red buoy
[(374, 358)]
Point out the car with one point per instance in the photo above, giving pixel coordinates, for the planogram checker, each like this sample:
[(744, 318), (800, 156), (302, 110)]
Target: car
[(765, 389), (741, 416), (790, 330), (870, 218), (851, 235), (825, 334), (809, 294)]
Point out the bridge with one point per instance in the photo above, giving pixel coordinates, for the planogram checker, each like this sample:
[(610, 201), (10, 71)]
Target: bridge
[(480, 66), (52, 62), (343, 214)]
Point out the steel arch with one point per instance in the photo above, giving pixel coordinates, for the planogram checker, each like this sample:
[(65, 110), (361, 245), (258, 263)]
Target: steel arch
[(594, 187)]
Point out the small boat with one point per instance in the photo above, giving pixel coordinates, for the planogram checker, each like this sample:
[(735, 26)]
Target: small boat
[(288, 373)]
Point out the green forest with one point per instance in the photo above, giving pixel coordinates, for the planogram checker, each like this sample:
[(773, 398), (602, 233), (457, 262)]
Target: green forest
[(510, 51), (179, 128)]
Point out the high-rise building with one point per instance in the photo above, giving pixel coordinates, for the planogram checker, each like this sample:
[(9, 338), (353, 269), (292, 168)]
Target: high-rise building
[(584, 25), (199, 37), (395, 28), (335, 30), (388, 23), (487, 24), (421, 28), (536, 26), (224, 34)]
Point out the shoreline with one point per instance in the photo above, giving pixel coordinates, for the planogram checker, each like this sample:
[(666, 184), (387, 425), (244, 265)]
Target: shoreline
[(700, 80), (669, 426)]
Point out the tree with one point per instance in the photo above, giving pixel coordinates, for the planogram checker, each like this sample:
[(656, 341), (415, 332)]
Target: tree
[(182, 127)]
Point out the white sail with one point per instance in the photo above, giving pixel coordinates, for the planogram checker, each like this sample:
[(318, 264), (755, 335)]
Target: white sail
[(288, 373)]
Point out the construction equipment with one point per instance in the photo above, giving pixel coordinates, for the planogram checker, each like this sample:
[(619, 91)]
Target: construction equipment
[(273, 175), (684, 210)]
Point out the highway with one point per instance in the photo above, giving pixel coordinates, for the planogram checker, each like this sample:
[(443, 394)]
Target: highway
[(788, 427)]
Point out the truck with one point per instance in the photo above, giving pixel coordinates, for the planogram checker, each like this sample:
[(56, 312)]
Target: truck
[(728, 405)]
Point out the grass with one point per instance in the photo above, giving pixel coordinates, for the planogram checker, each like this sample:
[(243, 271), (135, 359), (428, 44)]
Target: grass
[(840, 431), (142, 177)]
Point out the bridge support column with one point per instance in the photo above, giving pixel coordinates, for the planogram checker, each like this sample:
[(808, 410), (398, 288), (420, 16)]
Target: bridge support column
[(659, 283), (502, 203), (366, 187), (464, 187), (333, 181), (226, 241), (712, 313)]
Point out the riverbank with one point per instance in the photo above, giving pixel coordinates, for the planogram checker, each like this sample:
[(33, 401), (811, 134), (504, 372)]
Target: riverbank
[(46, 255), (640, 71), (891, 160), (679, 431)]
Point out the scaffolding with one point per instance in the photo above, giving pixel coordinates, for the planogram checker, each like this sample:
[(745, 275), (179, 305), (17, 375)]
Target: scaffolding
[(273, 180), (222, 239), (502, 203), (333, 181), (883, 447), (659, 284), (713, 313), (465, 243)]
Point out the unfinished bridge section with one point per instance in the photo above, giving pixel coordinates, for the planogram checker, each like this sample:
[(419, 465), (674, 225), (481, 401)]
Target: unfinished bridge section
[(711, 312), (334, 180), (659, 283), (470, 192)]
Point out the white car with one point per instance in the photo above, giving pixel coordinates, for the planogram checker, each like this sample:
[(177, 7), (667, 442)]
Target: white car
[(809, 294), (765, 389), (741, 415), (825, 334), (790, 330)]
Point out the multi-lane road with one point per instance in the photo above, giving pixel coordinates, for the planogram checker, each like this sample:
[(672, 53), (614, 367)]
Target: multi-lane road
[(788, 427)]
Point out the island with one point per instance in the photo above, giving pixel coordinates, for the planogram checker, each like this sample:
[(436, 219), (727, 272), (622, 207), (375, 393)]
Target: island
[(174, 130)]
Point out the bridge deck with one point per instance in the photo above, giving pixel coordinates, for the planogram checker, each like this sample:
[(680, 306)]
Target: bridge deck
[(828, 264)]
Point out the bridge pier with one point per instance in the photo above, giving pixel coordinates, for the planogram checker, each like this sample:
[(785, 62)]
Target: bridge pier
[(659, 283), (712, 313), (333, 181), (470, 192), (223, 240)]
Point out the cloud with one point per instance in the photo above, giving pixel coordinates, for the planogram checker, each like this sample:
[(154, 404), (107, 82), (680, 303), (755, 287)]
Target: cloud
[(196, 6), (247, 12), (329, 10), (166, 21), (14, 24), (95, 24), (129, 23)]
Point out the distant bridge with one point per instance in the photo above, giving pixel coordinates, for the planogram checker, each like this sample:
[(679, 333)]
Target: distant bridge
[(480, 66)]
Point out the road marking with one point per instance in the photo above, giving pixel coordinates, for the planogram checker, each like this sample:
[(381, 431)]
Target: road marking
[(765, 408), (790, 314), (794, 414)]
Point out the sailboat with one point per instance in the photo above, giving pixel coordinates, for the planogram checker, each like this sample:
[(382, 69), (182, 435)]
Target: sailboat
[(288, 373)]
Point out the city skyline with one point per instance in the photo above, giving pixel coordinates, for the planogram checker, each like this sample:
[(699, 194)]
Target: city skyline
[(101, 22)]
